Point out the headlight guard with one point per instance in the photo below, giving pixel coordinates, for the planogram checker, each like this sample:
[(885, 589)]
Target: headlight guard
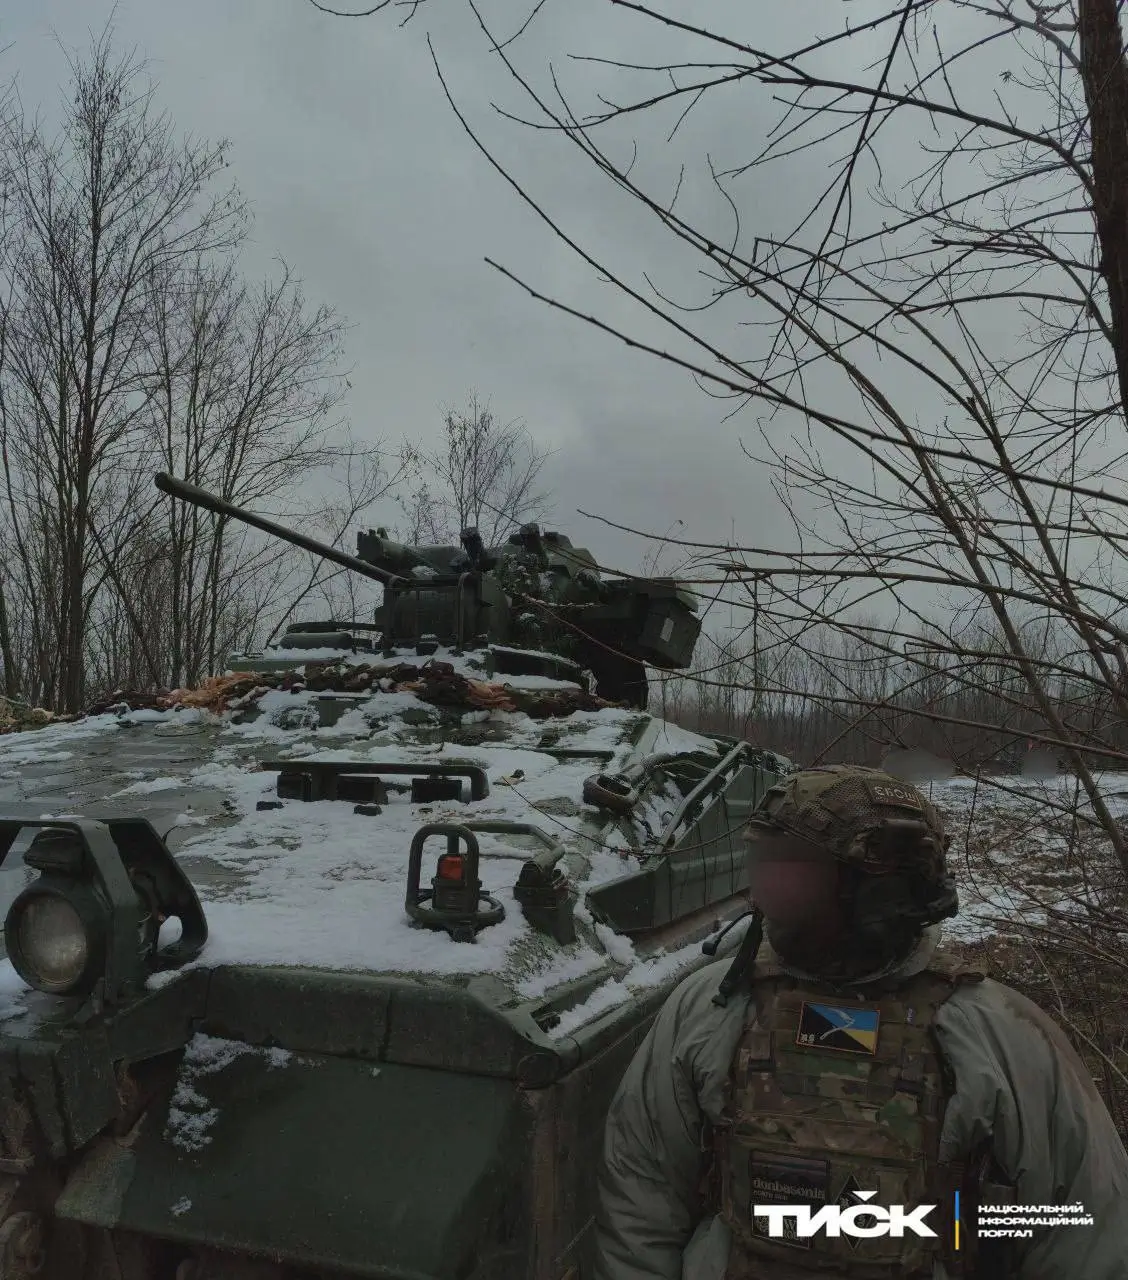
[(89, 925)]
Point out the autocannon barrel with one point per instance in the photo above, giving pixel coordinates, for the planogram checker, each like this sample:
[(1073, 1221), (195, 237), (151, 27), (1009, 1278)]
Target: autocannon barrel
[(202, 498)]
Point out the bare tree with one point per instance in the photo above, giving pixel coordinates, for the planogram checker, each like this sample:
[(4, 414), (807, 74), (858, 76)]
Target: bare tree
[(245, 385), (934, 350), (364, 476), (947, 325), (130, 344), (484, 475), (91, 218)]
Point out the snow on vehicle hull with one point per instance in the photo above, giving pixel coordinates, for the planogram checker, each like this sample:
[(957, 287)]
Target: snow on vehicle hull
[(328, 1087)]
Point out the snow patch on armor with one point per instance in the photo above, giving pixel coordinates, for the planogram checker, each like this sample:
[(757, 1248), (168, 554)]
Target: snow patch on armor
[(615, 991), (191, 1116)]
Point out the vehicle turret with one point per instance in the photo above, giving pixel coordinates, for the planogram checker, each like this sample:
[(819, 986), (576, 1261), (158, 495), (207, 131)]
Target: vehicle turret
[(534, 592)]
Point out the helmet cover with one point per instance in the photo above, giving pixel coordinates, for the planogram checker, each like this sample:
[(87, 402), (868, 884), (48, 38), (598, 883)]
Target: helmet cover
[(860, 816)]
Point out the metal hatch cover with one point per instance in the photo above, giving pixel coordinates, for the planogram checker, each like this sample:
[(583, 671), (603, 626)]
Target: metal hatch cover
[(288, 1171)]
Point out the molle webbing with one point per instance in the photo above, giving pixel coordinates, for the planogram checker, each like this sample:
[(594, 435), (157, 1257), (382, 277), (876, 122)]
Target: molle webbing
[(831, 1094)]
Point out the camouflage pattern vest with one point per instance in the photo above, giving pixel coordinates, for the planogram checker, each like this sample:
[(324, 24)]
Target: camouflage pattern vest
[(830, 1095)]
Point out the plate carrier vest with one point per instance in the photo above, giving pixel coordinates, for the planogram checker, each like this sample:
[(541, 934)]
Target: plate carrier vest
[(829, 1095)]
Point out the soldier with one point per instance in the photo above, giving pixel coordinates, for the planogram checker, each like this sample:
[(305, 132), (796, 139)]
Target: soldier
[(850, 1060)]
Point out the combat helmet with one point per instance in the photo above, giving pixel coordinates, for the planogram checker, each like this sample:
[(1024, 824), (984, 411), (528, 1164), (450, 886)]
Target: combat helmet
[(889, 837)]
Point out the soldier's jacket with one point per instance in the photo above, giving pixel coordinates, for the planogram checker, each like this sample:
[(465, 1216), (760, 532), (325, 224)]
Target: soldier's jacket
[(1018, 1083)]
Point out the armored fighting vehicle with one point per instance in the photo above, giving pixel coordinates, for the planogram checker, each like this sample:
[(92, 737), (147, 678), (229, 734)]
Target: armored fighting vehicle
[(334, 974), (536, 592)]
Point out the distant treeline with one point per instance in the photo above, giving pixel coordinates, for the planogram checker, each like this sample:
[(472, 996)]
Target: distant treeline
[(837, 699)]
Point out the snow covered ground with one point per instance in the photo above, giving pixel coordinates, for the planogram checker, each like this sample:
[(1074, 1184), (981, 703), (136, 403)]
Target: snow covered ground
[(1015, 845)]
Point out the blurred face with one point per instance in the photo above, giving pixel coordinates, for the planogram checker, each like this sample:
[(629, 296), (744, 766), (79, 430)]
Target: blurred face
[(795, 884)]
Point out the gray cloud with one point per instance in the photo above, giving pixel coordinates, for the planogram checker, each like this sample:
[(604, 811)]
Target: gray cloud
[(361, 177)]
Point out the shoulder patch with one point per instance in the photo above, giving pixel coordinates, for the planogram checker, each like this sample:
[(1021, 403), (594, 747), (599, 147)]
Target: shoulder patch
[(827, 1026)]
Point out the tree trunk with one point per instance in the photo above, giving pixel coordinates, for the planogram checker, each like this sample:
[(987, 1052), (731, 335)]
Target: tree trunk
[(7, 653), (1105, 78)]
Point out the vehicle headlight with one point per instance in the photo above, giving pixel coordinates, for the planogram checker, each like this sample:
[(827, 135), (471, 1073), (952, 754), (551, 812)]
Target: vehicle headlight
[(55, 938)]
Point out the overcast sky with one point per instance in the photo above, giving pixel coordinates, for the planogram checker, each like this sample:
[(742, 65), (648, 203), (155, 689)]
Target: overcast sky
[(361, 177)]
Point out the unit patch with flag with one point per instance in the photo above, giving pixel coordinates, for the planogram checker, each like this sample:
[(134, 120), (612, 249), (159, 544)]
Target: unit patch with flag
[(828, 1026)]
